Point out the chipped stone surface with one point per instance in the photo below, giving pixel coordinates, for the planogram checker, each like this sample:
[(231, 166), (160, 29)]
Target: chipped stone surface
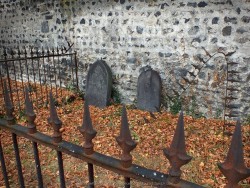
[(175, 38)]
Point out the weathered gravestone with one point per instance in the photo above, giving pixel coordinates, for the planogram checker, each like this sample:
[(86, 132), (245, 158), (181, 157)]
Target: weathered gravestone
[(99, 83), (149, 91)]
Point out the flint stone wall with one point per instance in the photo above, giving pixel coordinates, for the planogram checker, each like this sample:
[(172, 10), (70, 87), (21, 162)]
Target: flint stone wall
[(185, 41)]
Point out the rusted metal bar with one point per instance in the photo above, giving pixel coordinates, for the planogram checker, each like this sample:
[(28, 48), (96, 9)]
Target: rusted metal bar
[(10, 121), (126, 143), (29, 112), (127, 182), (34, 76), (31, 116), (107, 162), (177, 154), (59, 67), (89, 133), (37, 57), (91, 175), (87, 130), (234, 168), (26, 65), (39, 74), (38, 166), (125, 140), (8, 105), (57, 137), (21, 70), (76, 70), (3, 166), (1, 78), (49, 71), (45, 77), (72, 70), (17, 91), (8, 74), (60, 168), (54, 65), (18, 160)]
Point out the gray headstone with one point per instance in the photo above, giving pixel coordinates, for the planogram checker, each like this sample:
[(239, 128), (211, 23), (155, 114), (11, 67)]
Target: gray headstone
[(149, 91), (99, 84)]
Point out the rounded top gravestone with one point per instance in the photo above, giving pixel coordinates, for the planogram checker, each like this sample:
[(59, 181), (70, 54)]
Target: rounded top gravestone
[(149, 91), (99, 84)]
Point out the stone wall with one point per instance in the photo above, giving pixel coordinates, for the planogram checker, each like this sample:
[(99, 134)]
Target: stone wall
[(187, 42)]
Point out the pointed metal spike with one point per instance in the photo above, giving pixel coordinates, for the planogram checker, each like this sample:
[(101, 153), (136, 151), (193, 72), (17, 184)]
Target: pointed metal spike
[(8, 106), (55, 121), (29, 112), (125, 140), (87, 130), (177, 154), (234, 168), (28, 104), (125, 132)]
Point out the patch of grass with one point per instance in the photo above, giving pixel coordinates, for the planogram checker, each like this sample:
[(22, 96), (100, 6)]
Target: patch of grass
[(219, 113), (247, 120), (135, 136), (115, 96), (175, 105), (193, 109)]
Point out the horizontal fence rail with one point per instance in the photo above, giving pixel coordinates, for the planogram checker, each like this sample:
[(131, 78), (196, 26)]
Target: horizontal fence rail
[(40, 70), (233, 167)]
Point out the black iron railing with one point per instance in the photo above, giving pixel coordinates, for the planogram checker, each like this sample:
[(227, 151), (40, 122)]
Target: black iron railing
[(233, 168), (41, 71)]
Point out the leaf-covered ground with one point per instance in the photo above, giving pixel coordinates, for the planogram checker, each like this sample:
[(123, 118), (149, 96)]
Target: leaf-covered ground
[(204, 142)]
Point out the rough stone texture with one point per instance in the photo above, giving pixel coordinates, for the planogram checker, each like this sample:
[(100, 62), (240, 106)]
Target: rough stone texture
[(175, 38), (149, 90), (99, 84)]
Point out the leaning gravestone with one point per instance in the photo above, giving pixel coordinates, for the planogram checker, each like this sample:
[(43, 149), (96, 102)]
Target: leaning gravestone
[(149, 91), (99, 83)]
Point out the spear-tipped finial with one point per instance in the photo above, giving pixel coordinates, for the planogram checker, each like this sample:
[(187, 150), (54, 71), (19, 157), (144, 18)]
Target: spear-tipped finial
[(29, 112), (55, 121), (87, 130), (177, 154), (8, 106), (125, 140), (234, 168)]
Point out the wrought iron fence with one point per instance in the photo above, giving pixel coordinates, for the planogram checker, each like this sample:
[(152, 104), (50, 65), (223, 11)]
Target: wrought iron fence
[(233, 168), (40, 70)]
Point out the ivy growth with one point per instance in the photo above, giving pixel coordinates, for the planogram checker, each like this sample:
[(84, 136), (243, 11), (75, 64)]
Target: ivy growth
[(175, 105)]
